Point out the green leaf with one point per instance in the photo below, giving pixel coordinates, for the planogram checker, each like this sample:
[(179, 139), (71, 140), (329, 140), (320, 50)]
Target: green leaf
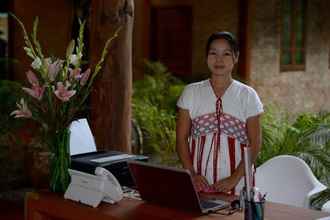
[(34, 38), (26, 37)]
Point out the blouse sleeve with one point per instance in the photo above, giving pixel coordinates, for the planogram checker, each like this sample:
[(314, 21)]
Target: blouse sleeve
[(254, 104), (186, 99)]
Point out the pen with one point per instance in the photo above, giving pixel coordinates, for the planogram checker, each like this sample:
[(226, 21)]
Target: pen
[(248, 172), (263, 197), (242, 198)]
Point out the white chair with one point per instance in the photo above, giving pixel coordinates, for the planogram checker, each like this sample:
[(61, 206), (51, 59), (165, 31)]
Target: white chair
[(326, 207), (81, 137), (288, 180)]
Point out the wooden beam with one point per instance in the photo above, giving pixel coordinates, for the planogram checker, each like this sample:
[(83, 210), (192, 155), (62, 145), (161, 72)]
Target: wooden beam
[(112, 91)]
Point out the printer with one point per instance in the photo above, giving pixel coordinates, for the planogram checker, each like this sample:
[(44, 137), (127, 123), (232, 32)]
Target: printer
[(85, 157), (114, 161)]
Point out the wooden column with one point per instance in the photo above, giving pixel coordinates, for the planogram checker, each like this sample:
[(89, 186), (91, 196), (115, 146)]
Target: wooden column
[(245, 36), (111, 95)]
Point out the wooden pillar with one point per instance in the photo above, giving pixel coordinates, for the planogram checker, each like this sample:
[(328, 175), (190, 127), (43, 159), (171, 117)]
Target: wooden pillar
[(246, 30), (111, 95)]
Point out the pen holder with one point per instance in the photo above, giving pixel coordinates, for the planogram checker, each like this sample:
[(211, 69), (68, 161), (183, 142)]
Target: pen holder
[(254, 210)]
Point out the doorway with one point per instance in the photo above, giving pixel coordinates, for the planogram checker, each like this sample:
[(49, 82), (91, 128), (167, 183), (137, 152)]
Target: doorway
[(171, 38)]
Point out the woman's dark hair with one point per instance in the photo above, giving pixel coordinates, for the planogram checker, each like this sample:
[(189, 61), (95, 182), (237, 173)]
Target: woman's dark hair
[(229, 37)]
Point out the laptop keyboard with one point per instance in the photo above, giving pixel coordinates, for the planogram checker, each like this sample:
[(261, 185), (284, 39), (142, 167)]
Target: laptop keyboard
[(209, 204)]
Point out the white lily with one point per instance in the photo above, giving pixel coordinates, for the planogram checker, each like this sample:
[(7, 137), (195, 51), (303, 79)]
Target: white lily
[(74, 58), (36, 64), (23, 111)]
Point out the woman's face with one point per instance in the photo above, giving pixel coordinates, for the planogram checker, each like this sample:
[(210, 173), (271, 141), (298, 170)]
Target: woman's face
[(220, 58)]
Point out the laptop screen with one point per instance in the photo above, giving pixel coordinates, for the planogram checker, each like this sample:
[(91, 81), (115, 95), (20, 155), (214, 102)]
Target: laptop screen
[(164, 185)]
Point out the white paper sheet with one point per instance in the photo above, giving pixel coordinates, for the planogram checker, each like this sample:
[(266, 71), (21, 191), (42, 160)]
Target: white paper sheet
[(81, 138)]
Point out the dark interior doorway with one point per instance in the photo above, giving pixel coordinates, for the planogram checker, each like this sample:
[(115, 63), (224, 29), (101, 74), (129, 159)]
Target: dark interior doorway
[(244, 38), (171, 38)]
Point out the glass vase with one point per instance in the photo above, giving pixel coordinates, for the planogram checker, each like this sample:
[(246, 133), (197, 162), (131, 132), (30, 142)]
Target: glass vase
[(60, 161)]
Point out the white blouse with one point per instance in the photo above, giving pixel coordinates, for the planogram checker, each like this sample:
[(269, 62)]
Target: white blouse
[(215, 154)]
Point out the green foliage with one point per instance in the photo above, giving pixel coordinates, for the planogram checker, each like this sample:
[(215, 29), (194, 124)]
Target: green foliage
[(321, 198), (12, 169), (9, 91), (280, 136), (154, 105)]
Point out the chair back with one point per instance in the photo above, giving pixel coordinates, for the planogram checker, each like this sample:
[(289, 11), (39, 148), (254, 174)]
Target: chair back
[(287, 179)]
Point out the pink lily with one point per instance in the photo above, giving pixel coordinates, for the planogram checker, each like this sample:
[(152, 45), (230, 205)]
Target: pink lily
[(36, 91), (23, 111), (62, 91), (32, 78), (54, 68), (85, 76)]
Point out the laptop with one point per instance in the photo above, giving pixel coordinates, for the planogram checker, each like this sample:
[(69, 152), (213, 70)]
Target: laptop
[(170, 187)]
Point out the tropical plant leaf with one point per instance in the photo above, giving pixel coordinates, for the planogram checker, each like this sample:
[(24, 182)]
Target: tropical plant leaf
[(280, 136), (154, 104)]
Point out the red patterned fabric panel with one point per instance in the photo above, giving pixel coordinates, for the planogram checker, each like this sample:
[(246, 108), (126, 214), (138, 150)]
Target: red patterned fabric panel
[(229, 125)]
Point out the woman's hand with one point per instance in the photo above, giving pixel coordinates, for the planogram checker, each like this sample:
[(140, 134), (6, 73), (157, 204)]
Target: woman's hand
[(200, 182), (226, 185)]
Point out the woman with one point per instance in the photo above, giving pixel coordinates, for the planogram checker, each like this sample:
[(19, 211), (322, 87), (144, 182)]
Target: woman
[(216, 118)]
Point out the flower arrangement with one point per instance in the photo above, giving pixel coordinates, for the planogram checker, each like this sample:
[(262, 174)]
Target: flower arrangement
[(58, 91)]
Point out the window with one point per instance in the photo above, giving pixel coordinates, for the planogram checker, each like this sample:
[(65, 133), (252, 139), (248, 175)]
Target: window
[(3, 45), (4, 60), (293, 35)]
